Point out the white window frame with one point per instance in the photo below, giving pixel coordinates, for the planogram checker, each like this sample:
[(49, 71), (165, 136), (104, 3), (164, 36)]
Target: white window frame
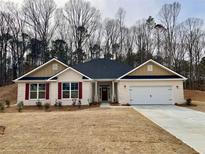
[(65, 90), (74, 90), (69, 90), (37, 91)]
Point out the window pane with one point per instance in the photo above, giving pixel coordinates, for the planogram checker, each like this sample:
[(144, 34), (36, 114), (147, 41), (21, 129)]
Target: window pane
[(66, 94), (33, 95), (41, 95), (66, 86), (74, 86), (33, 87), (74, 94), (41, 87)]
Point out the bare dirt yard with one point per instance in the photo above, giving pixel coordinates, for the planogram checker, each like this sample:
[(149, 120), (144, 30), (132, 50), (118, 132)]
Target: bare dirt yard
[(198, 99), (88, 131), (8, 93)]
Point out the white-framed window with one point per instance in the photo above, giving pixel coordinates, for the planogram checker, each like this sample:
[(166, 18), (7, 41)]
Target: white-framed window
[(149, 68), (33, 91), (66, 90), (37, 91), (74, 90), (70, 90)]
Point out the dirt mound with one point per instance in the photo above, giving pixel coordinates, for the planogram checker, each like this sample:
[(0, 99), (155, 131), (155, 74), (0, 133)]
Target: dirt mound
[(195, 95), (8, 92)]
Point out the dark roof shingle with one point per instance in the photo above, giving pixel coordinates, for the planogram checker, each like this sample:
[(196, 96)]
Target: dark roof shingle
[(103, 69)]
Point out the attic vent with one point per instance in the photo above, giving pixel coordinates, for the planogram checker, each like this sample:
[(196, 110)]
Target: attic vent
[(55, 67), (149, 68)]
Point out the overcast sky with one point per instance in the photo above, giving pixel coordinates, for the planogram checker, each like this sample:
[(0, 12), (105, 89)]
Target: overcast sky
[(138, 9)]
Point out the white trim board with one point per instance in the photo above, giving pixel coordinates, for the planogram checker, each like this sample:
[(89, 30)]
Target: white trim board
[(54, 59), (183, 78), (151, 80), (50, 79)]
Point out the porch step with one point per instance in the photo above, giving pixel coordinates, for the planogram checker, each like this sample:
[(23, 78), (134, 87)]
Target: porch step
[(104, 105)]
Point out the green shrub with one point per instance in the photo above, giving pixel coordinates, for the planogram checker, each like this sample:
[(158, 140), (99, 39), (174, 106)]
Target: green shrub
[(20, 106), (58, 104), (79, 103), (89, 102), (188, 101), (7, 102), (39, 104), (2, 107), (46, 106), (74, 100)]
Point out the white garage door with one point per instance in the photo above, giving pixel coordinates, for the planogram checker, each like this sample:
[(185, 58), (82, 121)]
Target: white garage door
[(151, 95)]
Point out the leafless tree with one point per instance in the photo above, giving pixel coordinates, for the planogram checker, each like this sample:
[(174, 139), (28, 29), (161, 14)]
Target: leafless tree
[(168, 16), (145, 39), (38, 17), (83, 20), (193, 37), (120, 16), (111, 35), (18, 44)]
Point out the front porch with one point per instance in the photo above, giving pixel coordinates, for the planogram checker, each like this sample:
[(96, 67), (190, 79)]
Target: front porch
[(104, 91)]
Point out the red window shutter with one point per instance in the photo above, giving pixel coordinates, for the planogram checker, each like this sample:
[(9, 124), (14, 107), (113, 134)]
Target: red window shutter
[(59, 90), (47, 90), (80, 90), (27, 91)]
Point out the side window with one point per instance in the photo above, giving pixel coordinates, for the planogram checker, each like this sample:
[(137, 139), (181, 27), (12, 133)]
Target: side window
[(41, 91), (70, 90), (74, 90), (37, 91), (66, 90), (33, 91)]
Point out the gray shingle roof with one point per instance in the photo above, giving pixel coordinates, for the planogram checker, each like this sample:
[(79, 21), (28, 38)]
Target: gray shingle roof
[(103, 69)]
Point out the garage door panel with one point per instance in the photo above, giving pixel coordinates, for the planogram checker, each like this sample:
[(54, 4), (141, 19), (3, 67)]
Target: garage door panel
[(151, 95), (160, 95), (139, 95)]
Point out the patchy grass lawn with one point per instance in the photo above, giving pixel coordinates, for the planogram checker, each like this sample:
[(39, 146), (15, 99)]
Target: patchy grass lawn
[(196, 105), (195, 95), (8, 93), (198, 99), (93, 130), (14, 109)]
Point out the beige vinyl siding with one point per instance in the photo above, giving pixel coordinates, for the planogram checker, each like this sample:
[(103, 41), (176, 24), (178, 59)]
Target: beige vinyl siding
[(48, 70), (68, 76), (71, 76), (156, 70)]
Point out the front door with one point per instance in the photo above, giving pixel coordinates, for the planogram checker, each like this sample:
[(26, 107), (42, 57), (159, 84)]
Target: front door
[(104, 94)]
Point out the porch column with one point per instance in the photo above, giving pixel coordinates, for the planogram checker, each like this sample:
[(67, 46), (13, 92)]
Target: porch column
[(96, 92), (113, 91)]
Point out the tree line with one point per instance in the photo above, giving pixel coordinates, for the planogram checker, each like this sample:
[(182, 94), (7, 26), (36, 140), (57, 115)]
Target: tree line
[(37, 31)]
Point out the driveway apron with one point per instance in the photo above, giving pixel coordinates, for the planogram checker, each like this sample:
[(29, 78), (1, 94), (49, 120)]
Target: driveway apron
[(186, 124)]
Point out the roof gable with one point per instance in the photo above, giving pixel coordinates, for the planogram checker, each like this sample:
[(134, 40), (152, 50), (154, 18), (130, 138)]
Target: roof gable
[(68, 69), (158, 72), (44, 71)]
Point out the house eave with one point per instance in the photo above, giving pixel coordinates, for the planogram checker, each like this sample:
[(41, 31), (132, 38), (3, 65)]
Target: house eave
[(31, 81), (152, 79)]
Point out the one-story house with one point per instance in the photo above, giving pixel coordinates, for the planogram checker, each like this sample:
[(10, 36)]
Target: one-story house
[(101, 80)]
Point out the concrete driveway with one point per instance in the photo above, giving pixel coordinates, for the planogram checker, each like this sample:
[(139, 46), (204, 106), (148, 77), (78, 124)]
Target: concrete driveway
[(186, 124)]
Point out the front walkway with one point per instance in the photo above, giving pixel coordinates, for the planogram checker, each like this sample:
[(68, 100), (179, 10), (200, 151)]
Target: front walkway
[(105, 105), (186, 124)]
